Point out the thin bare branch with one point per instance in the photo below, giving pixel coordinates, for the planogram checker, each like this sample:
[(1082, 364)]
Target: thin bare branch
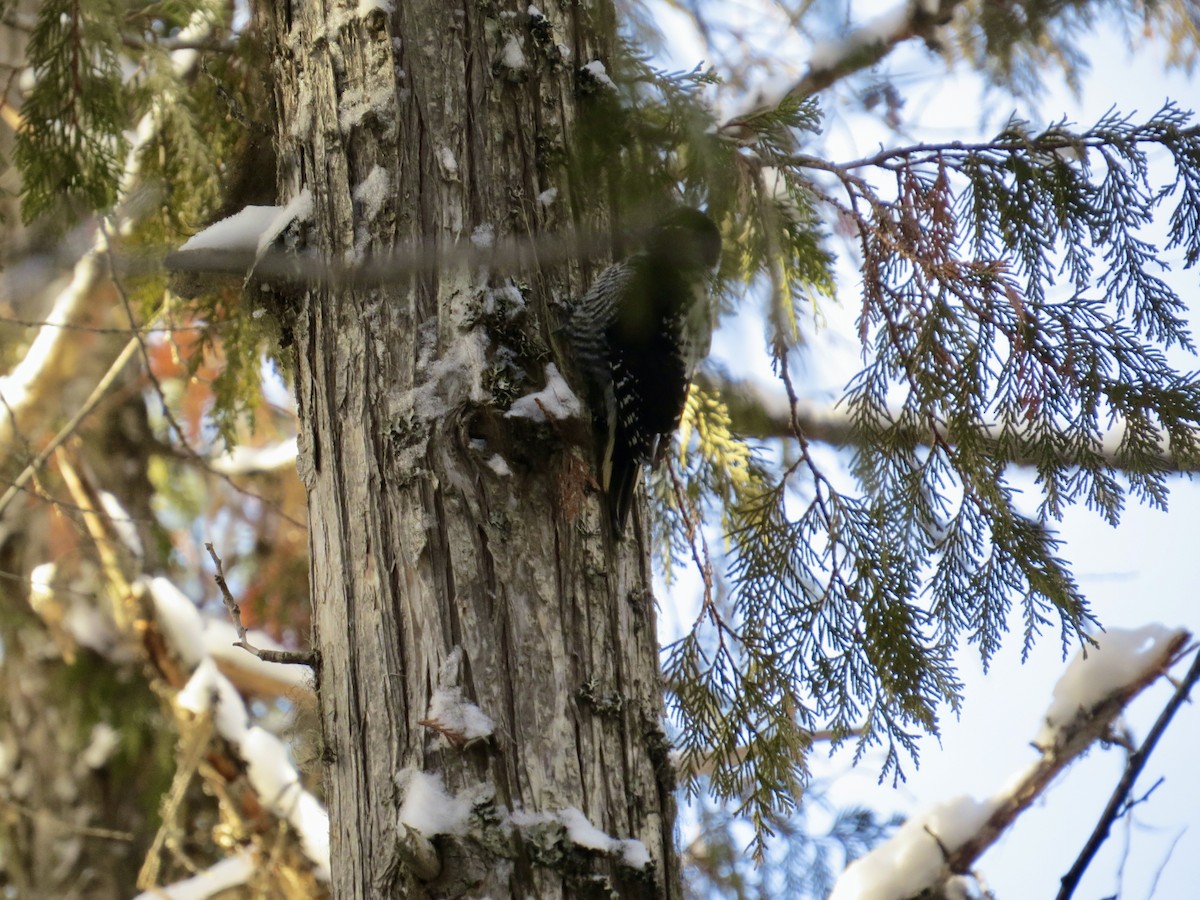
[(290, 657), (860, 49), (172, 422), (1118, 803), (103, 329), (44, 817)]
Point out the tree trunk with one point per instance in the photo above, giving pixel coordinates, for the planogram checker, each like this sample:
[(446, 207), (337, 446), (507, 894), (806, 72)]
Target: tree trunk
[(436, 522)]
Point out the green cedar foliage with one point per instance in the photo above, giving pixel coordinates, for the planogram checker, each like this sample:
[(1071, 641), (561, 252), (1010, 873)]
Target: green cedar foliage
[(103, 71), (1012, 311), (71, 144), (1015, 43)]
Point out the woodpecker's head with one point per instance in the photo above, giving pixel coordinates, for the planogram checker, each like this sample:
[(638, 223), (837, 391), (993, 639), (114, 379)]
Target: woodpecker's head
[(687, 239)]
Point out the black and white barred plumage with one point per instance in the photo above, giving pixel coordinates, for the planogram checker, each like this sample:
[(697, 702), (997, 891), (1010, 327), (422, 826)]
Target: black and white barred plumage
[(635, 339)]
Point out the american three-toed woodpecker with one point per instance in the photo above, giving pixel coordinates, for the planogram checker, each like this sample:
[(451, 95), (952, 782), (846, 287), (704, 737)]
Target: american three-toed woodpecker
[(636, 338)]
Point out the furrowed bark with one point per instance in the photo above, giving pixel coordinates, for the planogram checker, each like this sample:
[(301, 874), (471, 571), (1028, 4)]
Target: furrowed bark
[(436, 522)]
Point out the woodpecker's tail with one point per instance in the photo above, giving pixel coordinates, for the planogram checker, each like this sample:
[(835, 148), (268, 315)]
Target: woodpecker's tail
[(621, 488)]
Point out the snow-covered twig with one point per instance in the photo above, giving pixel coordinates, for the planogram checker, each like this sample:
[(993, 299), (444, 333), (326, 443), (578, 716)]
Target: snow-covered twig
[(943, 844), (178, 644), (25, 384), (264, 758), (230, 872), (244, 460), (1099, 684)]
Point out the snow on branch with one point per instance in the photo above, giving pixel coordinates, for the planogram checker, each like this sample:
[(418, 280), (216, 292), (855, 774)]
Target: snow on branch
[(240, 242), (231, 872), (914, 858), (196, 637), (269, 770), (1122, 657), (244, 230), (23, 387), (71, 618), (942, 844), (245, 460), (1118, 802)]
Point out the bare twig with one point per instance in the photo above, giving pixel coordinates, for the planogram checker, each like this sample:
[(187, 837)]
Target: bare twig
[(1153, 892), (43, 816), (107, 329), (193, 742), (290, 657), (142, 349), (862, 48), (1118, 803)]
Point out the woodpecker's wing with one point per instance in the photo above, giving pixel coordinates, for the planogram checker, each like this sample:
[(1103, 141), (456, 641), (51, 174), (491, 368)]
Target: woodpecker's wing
[(587, 328)]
